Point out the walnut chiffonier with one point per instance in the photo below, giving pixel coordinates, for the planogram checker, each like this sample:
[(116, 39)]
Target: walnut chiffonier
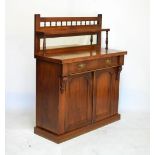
[(77, 87)]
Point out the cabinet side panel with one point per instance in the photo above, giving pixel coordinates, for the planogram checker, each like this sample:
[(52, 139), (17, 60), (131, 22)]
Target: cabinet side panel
[(47, 95)]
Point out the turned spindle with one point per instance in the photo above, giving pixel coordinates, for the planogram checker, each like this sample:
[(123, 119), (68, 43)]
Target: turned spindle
[(91, 39), (44, 45), (106, 40)]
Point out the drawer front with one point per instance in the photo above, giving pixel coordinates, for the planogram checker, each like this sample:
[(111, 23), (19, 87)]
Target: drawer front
[(85, 66)]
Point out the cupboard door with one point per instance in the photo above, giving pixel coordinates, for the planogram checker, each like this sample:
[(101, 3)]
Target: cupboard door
[(102, 94), (78, 101)]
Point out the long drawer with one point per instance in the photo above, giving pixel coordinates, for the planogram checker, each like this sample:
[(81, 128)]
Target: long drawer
[(90, 65)]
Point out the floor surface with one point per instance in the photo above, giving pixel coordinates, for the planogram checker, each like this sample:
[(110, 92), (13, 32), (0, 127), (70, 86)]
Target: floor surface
[(129, 136)]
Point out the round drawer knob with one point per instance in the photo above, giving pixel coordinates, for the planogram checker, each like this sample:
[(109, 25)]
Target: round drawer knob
[(80, 66), (108, 61)]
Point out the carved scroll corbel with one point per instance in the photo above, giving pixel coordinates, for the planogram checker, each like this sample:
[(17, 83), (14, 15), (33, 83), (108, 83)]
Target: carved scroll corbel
[(63, 81), (118, 72)]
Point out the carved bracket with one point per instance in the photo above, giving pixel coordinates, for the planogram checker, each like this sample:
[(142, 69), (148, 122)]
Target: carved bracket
[(63, 81), (118, 72)]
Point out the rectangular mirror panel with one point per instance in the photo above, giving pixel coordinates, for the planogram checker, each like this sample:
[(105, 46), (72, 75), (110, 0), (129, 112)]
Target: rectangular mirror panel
[(62, 42)]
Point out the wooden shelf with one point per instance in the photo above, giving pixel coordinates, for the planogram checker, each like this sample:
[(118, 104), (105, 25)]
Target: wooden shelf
[(75, 56), (69, 31)]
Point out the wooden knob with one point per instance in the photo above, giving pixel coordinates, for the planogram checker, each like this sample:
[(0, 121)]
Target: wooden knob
[(108, 61), (80, 66)]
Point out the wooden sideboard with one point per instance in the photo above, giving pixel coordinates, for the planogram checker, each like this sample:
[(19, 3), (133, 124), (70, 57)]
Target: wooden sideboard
[(77, 88)]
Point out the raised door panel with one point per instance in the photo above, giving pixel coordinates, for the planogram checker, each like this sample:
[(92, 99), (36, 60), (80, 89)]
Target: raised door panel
[(102, 94), (78, 101)]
